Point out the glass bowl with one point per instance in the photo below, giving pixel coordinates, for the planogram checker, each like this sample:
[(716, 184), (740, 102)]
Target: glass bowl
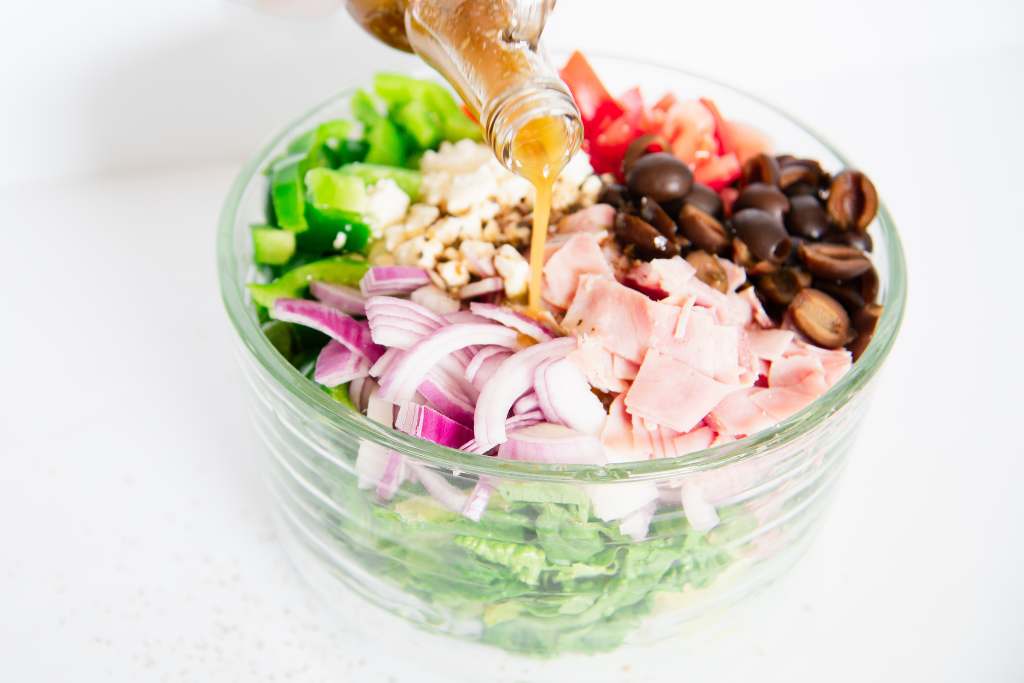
[(542, 573)]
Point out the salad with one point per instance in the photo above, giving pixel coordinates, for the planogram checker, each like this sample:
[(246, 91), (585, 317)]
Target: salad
[(699, 287)]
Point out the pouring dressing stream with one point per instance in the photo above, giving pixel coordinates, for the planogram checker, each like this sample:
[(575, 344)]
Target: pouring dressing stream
[(489, 51)]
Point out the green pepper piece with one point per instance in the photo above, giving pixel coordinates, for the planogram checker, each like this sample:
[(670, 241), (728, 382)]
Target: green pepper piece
[(345, 152), (340, 394), (329, 189), (337, 270), (288, 194), (272, 246), (396, 89), (364, 108), (333, 230), (421, 122), (406, 179), (386, 146)]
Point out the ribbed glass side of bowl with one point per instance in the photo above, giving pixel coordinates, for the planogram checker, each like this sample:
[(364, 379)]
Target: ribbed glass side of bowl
[(541, 573)]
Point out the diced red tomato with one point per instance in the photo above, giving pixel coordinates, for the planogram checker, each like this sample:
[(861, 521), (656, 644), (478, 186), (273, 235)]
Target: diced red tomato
[(747, 141), (611, 143), (665, 103), (721, 131), (729, 195), (596, 104), (690, 128), (718, 172)]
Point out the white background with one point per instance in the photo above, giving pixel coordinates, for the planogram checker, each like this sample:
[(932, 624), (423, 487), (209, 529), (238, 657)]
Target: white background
[(136, 537)]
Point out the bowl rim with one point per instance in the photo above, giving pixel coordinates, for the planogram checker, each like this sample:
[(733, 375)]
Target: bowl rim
[(351, 424)]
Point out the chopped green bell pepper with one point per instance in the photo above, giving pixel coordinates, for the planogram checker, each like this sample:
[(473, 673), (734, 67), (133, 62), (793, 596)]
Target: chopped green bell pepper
[(287, 192), (406, 179), (365, 109), (422, 123), (345, 152), (339, 270), (398, 90), (272, 246), (329, 189), (333, 230), (386, 145)]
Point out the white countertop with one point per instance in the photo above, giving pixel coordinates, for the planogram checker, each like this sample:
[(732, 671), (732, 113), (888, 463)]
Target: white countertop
[(139, 544)]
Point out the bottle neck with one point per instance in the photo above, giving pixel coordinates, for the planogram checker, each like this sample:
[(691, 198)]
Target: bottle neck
[(540, 115), (490, 53)]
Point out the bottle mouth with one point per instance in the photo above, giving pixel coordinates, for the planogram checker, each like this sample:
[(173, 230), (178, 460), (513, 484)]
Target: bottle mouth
[(505, 117)]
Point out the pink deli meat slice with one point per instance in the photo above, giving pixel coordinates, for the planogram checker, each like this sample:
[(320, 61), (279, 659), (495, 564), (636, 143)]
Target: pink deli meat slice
[(597, 364), (593, 219), (737, 415), (672, 394), (768, 344), (617, 435), (708, 347), (626, 321), (580, 255)]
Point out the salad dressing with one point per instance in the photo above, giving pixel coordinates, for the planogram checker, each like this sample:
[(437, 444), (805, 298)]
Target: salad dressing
[(489, 51)]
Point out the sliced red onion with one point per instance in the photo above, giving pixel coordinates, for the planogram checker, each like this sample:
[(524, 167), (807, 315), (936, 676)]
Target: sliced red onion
[(392, 476), (509, 318), (359, 392), (401, 380), (511, 380), (434, 298), (488, 285), (393, 280), (353, 334), (476, 504), (565, 397), (637, 523), (397, 332), (444, 394), (426, 423), (617, 500), (526, 403), (523, 420), (699, 512), (401, 308), (464, 317), (338, 364), (345, 299), (550, 443), (372, 460), (387, 359), (481, 357), (440, 488)]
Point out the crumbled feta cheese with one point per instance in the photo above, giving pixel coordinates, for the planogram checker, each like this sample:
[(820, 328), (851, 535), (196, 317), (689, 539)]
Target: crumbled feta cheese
[(446, 230), (420, 217), (386, 205), (435, 186), (479, 257), (512, 189), (491, 231), (470, 189), (429, 252), (462, 157), (487, 210), (576, 171), (408, 252), (590, 189), (454, 273), (514, 270), (394, 236)]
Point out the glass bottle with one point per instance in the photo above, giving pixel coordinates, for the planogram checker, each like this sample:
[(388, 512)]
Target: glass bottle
[(489, 50)]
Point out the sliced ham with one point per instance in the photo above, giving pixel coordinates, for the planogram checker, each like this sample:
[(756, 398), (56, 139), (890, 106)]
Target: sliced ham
[(803, 373), (580, 255), (670, 393), (617, 435), (707, 347), (737, 415), (735, 275), (782, 402), (768, 344), (756, 307), (625, 321), (624, 369), (594, 219), (597, 364)]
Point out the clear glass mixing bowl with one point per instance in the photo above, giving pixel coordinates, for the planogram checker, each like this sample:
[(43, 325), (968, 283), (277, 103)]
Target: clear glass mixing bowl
[(541, 573)]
